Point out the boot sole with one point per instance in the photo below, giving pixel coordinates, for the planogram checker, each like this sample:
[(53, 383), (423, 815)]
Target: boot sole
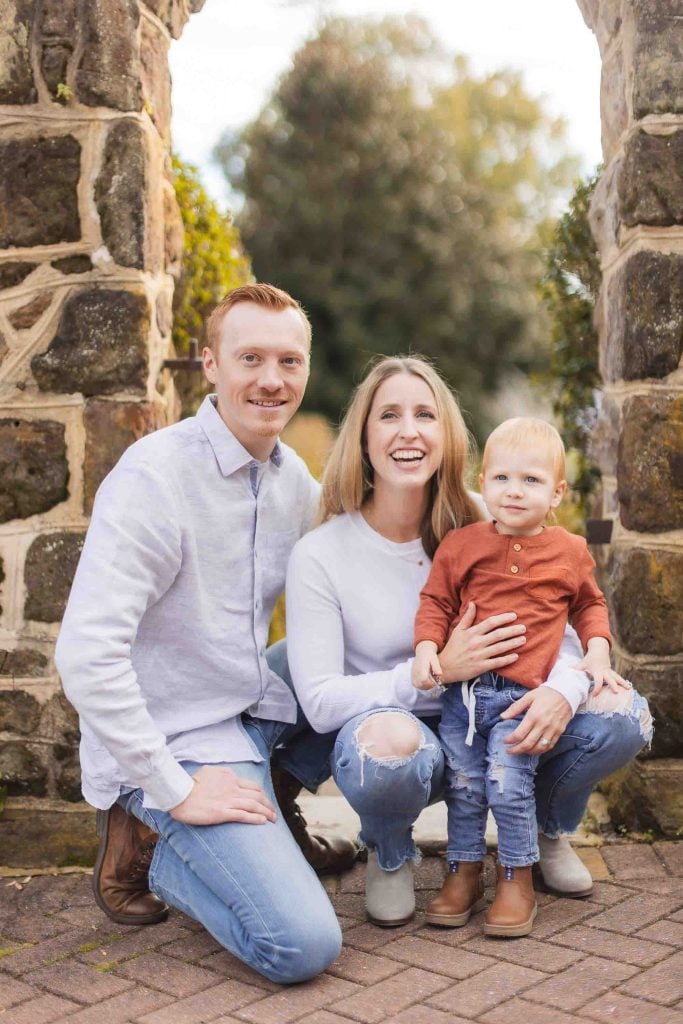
[(390, 924), (511, 931), (575, 894), (456, 920), (131, 919)]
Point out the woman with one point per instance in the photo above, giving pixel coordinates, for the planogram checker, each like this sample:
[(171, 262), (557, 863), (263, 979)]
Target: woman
[(393, 487)]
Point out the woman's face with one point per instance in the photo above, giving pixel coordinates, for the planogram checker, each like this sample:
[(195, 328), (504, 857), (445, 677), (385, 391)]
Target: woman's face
[(403, 434)]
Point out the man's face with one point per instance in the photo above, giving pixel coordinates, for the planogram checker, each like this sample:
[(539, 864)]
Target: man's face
[(260, 372)]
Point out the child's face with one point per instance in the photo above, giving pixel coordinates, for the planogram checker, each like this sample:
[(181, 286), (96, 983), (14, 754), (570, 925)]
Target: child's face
[(519, 488)]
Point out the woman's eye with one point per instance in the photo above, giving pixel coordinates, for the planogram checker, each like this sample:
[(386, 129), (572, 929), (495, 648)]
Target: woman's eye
[(387, 415), (426, 415)]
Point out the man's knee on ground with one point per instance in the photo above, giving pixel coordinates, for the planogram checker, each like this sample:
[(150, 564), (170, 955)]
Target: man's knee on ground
[(306, 955), (389, 734)]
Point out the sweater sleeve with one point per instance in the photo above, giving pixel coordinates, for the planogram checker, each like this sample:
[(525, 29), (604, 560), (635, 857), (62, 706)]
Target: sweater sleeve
[(564, 677), (588, 609), (439, 601), (315, 651)]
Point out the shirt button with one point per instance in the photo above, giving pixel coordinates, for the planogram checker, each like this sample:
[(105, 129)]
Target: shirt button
[(514, 568), (517, 547)]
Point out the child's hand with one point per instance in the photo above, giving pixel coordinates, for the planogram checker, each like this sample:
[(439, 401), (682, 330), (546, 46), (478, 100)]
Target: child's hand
[(426, 668), (596, 664)]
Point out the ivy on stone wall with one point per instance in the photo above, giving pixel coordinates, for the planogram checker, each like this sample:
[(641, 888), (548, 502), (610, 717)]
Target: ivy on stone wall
[(569, 289)]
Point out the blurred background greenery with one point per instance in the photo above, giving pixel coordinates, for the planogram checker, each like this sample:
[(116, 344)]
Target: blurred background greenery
[(412, 206)]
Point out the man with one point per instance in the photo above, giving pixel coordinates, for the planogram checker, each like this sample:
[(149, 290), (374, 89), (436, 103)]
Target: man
[(163, 653)]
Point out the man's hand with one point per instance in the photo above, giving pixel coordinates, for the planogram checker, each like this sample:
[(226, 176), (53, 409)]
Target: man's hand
[(547, 716), (220, 795)]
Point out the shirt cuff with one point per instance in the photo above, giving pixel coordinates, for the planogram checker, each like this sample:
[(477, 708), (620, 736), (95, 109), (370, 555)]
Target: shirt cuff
[(405, 691), (168, 787), (572, 685)]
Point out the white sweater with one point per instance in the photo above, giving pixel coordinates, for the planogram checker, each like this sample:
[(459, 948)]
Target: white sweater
[(352, 596)]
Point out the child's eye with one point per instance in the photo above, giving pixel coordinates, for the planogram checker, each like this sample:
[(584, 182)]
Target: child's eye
[(532, 480), (250, 358), (502, 477)]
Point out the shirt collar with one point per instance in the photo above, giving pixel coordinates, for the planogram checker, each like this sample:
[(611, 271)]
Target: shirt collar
[(230, 454)]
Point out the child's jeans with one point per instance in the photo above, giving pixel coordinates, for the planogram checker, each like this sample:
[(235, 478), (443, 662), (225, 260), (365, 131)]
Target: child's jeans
[(483, 774)]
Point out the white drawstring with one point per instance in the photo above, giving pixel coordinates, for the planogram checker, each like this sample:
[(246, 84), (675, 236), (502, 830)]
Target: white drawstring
[(469, 700)]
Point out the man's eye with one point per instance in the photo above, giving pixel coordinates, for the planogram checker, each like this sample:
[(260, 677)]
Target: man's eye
[(291, 361), (249, 357)]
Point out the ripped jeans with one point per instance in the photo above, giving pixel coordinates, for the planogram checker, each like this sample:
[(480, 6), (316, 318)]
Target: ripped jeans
[(388, 794), (484, 774)]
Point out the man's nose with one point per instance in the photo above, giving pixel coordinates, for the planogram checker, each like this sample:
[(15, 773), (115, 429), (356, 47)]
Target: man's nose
[(270, 377)]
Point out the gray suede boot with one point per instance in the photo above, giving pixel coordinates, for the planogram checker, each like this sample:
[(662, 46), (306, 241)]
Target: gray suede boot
[(389, 895)]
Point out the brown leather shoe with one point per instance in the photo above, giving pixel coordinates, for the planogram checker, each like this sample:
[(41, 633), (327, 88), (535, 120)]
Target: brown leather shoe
[(120, 880), (514, 908), (326, 856), (462, 894)]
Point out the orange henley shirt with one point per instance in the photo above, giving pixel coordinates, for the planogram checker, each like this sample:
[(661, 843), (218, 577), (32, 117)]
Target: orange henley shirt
[(543, 579)]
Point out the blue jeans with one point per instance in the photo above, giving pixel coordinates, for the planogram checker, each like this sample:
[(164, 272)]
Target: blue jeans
[(388, 794), (249, 885), (485, 774)]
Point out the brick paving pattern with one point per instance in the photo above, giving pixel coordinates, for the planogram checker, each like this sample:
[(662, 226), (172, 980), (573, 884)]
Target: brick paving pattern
[(617, 956)]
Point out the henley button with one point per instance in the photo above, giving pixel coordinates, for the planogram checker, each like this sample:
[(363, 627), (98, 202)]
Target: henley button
[(514, 568), (517, 547)]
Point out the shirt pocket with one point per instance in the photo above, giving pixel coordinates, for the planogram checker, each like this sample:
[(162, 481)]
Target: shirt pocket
[(551, 586)]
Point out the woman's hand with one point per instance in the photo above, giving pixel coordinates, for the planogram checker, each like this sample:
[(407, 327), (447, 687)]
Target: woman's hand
[(486, 647), (547, 716)]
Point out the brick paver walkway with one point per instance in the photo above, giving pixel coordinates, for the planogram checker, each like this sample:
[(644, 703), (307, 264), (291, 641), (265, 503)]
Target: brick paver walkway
[(617, 956)]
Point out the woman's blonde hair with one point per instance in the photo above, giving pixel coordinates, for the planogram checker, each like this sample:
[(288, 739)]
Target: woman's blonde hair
[(348, 476)]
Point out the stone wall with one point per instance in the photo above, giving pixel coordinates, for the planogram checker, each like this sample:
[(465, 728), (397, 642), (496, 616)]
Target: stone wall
[(637, 219), (90, 241)]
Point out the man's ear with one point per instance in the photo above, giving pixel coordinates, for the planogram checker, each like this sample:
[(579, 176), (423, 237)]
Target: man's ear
[(210, 367), (558, 493)]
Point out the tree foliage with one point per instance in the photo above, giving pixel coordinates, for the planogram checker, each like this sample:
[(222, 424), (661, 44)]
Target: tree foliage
[(403, 200), (570, 289), (213, 258)]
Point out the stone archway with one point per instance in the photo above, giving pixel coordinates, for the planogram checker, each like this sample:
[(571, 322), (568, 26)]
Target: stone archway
[(637, 220), (90, 241)]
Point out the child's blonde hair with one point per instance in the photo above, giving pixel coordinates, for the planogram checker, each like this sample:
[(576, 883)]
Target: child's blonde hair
[(528, 432)]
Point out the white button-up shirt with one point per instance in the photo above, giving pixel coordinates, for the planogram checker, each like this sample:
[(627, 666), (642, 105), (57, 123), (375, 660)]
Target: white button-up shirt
[(163, 641)]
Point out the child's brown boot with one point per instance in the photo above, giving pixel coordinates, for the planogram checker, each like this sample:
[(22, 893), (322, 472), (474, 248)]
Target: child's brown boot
[(514, 908), (462, 894)]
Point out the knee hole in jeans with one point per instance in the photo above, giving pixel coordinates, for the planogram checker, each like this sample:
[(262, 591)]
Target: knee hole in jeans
[(388, 735)]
